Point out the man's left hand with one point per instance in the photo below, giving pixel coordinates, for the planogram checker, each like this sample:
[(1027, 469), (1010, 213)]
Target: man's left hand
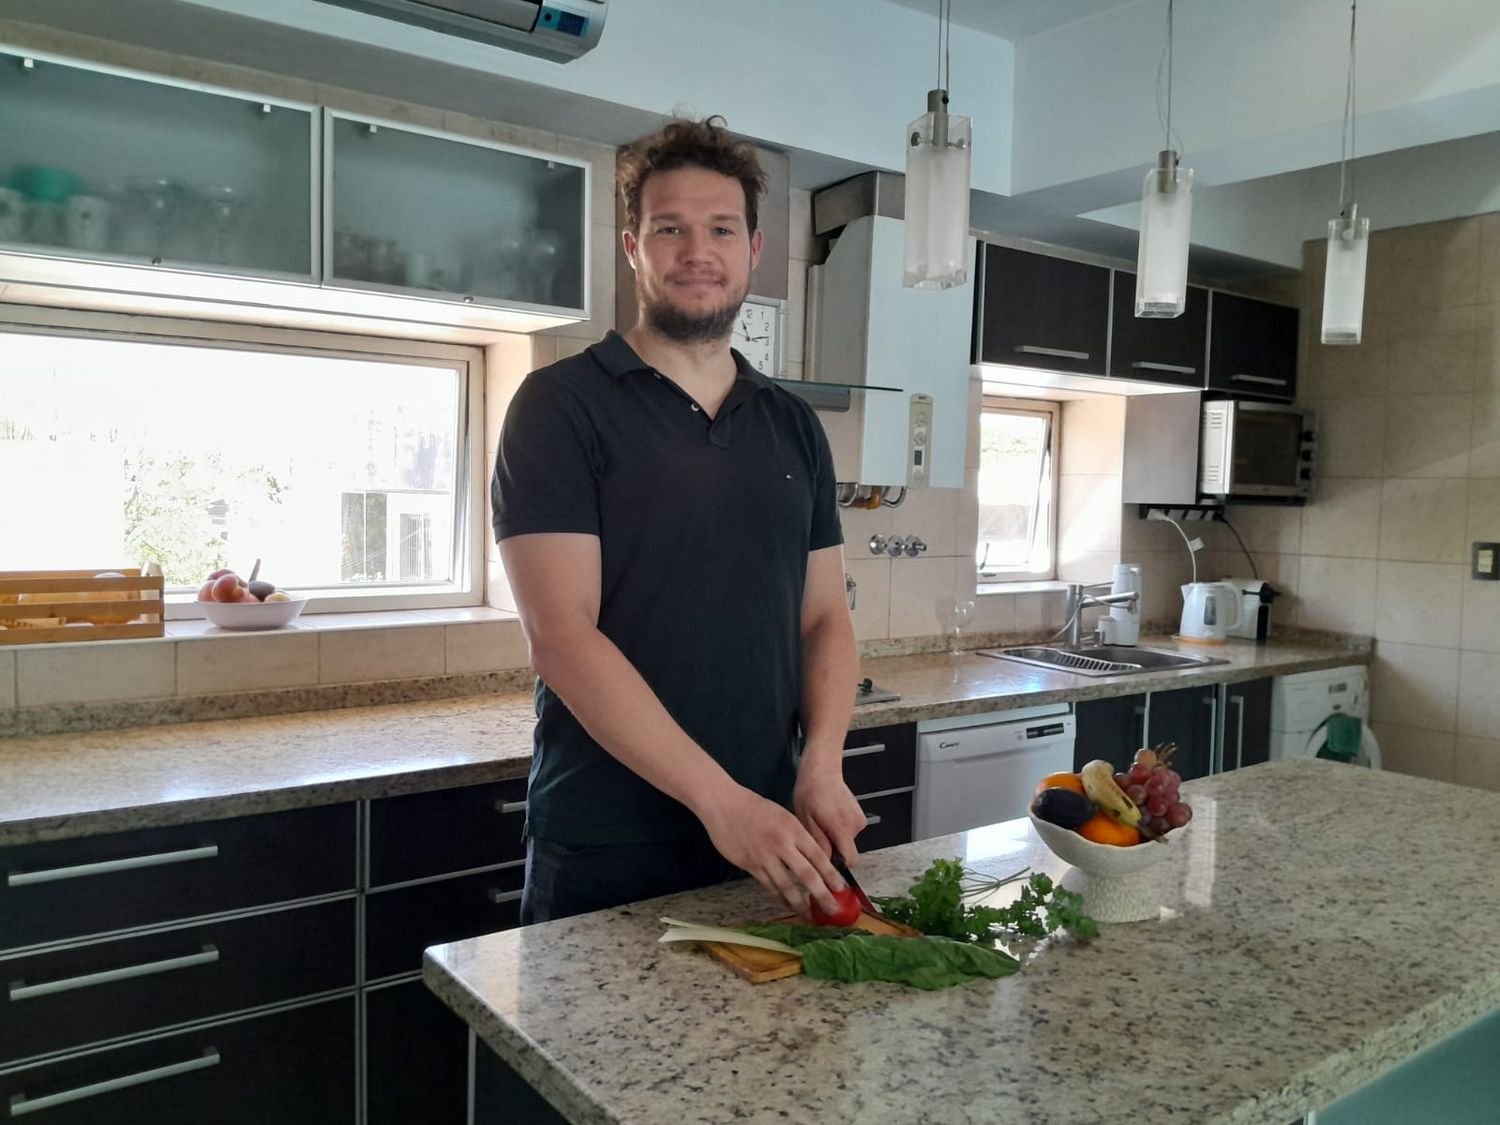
[(827, 808)]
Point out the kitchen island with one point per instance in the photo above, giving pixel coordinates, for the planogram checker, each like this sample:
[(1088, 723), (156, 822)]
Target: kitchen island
[(1320, 924)]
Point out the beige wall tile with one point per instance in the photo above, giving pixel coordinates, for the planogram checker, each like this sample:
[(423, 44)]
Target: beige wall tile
[(1088, 566), (1415, 686), (1089, 514), (1337, 594), (1478, 701), (966, 533), (1414, 751), (1489, 257), (497, 589), (1485, 458), (861, 524), (872, 600), (1424, 520), (7, 679), (1093, 436), (217, 664), (570, 345), (1487, 343), (1433, 351), (1162, 576), (1419, 603), (972, 448), (994, 613), (931, 514), (1269, 528), (1481, 617), (965, 580), (1342, 372), (918, 587), (1351, 437), (52, 674), (1428, 435), (543, 350), (1476, 763), (380, 654), (1039, 610), (484, 646), (796, 312), (801, 244), (1343, 518), (1435, 264)]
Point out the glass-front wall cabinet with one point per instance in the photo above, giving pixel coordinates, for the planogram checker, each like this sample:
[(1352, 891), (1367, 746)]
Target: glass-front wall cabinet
[(105, 166), (448, 217)]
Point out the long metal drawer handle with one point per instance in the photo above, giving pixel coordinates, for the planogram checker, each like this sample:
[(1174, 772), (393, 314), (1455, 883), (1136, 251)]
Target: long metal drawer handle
[(20, 990), (1146, 365), (1239, 741), (869, 820), (21, 1105), (1266, 379), (510, 806), (861, 751), (1061, 353), (106, 867), (497, 896)]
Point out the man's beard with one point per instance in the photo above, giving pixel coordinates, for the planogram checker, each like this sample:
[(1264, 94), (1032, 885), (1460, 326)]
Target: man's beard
[(667, 319)]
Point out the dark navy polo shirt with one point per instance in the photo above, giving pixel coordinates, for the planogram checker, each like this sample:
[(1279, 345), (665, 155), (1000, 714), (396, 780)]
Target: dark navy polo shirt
[(704, 529)]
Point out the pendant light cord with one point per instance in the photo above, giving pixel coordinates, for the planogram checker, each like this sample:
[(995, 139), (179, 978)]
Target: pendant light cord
[(945, 41), (1346, 137), (1164, 69)]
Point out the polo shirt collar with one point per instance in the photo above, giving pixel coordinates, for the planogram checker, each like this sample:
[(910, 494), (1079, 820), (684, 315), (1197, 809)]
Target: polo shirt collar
[(618, 359)]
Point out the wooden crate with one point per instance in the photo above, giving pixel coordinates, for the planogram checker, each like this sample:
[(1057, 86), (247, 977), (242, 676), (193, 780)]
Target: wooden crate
[(47, 599)]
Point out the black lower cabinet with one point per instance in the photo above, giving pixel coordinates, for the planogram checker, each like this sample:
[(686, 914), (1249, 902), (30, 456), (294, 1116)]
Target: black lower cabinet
[(1185, 718), (1247, 724), (416, 1058), (293, 1067), (503, 1097), (1112, 729)]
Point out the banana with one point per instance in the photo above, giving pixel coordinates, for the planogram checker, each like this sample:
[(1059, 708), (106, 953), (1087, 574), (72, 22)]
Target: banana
[(1100, 787)]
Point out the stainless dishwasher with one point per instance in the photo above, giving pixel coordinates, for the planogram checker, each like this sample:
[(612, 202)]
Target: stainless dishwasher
[(978, 769)]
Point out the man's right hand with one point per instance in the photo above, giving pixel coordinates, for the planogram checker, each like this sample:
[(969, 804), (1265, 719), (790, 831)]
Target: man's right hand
[(770, 845)]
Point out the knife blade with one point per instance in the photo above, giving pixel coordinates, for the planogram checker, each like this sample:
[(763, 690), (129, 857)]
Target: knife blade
[(848, 876)]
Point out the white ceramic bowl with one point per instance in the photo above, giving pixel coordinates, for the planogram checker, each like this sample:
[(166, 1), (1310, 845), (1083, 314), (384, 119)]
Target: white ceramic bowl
[(1114, 881), (254, 615)]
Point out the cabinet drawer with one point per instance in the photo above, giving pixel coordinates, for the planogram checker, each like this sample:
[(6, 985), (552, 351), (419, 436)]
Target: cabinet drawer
[(416, 1058), (291, 1067), (888, 822), (400, 924), (881, 758), (99, 884), (427, 834), (1037, 311), (66, 998)]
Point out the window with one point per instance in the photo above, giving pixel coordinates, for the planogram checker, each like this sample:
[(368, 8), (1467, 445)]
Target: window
[(1017, 490), (345, 464)]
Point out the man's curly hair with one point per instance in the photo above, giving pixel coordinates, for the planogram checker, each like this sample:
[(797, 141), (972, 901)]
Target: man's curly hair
[(682, 143)]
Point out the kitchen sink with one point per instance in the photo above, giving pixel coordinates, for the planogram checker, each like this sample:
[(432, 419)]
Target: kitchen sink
[(1102, 660)]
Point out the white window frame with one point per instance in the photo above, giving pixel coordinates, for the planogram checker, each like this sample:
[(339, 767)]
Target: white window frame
[(467, 585), (1053, 412)]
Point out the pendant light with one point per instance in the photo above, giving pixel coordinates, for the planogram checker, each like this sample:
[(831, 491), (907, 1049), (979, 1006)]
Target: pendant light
[(1166, 220), (937, 183), (1348, 235)]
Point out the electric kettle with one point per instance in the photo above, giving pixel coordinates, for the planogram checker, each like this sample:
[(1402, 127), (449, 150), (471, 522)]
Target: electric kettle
[(1209, 611)]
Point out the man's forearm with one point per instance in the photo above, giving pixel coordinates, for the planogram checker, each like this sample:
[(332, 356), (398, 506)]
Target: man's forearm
[(614, 704), (830, 672)]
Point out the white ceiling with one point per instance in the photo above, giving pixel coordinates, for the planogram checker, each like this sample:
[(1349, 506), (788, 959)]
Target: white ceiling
[(1017, 19)]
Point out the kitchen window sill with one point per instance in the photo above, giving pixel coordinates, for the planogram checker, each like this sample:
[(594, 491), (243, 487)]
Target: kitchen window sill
[(988, 589), (199, 628)]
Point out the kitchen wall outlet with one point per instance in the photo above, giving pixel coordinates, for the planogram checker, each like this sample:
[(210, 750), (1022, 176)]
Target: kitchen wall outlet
[(919, 442), (1487, 561)]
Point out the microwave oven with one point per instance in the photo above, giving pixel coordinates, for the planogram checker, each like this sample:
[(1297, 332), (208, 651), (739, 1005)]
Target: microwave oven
[(1256, 450)]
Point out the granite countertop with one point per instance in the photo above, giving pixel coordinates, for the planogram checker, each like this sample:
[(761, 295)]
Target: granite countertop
[(79, 784), (1319, 924)]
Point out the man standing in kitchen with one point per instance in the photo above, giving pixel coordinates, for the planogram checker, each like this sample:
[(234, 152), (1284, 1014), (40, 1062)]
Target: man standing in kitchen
[(667, 521)]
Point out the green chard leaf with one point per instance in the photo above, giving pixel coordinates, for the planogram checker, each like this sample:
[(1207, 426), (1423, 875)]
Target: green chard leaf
[(796, 934), (926, 962)]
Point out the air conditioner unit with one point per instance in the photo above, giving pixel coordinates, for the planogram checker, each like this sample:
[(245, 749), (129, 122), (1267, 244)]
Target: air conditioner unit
[(556, 30)]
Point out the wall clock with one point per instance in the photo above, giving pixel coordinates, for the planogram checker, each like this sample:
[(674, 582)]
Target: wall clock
[(759, 334)]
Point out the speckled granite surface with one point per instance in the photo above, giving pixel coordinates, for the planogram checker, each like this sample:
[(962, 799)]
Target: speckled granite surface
[(85, 783), (1322, 923)]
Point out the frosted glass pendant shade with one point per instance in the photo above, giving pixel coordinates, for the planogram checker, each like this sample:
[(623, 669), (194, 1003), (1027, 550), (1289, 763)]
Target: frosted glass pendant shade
[(1344, 279), (1166, 223), (937, 197)]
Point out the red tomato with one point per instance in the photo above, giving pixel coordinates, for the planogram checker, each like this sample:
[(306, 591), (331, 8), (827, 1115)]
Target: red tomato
[(846, 915)]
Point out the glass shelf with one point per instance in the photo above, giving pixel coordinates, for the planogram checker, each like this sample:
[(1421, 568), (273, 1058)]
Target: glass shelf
[(830, 396)]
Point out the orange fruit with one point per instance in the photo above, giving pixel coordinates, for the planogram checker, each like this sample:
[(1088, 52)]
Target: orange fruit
[(1104, 830), (1060, 781)]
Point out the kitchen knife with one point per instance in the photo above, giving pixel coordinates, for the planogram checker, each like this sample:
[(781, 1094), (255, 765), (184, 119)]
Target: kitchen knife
[(848, 876)]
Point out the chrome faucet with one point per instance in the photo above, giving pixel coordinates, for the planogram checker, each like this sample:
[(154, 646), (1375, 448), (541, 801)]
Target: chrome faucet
[(1079, 599)]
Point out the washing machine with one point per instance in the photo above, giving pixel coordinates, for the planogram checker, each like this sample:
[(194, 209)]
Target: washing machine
[(1301, 703)]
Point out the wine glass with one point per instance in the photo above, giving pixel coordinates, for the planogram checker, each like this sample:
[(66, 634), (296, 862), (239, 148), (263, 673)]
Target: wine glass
[(954, 615)]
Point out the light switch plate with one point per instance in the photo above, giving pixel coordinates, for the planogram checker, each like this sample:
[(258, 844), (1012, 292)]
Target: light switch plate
[(1486, 562)]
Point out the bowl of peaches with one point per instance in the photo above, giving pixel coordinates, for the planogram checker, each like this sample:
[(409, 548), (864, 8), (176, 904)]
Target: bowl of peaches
[(232, 602), (1113, 828)]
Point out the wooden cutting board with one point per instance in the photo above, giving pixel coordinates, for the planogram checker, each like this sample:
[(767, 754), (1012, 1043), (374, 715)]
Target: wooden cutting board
[(760, 965)]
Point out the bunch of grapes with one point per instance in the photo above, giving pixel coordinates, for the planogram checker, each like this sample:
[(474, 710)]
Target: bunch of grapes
[(1152, 784)]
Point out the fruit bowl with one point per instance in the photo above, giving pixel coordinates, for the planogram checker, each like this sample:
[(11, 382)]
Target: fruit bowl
[(1111, 879), (253, 615)]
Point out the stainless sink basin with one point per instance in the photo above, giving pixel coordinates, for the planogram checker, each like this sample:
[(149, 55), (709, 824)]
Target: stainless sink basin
[(1101, 660)]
